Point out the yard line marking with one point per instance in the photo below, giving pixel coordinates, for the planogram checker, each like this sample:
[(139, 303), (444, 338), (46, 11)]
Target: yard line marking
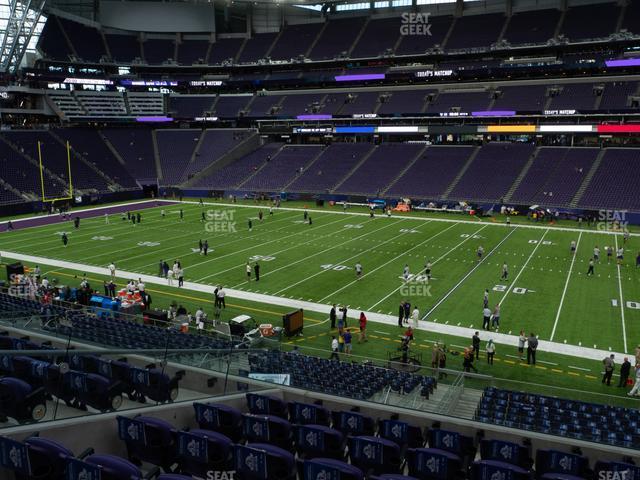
[(455, 287), (316, 324), (320, 252), (547, 363), (579, 368), (435, 261), (384, 265), (523, 267), (341, 261), (261, 245), (624, 328), (564, 291)]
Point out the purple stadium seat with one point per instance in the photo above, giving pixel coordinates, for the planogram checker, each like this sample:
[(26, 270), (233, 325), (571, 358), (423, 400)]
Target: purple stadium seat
[(337, 37), (224, 49), (492, 172), (532, 27), (431, 174), (295, 40)]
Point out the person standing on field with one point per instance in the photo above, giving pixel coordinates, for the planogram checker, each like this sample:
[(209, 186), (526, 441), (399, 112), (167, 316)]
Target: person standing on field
[(625, 370), (532, 347), (609, 367)]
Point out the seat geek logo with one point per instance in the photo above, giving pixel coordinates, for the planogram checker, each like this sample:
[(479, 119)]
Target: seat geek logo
[(415, 24), (224, 475), (615, 475)]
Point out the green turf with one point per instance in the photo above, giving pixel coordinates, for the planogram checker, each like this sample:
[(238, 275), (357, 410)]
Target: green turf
[(315, 262)]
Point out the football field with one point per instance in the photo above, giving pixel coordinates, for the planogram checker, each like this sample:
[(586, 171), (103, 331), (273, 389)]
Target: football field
[(547, 291)]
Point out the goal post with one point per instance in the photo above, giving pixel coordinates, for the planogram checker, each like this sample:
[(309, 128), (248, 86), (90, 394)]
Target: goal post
[(42, 184)]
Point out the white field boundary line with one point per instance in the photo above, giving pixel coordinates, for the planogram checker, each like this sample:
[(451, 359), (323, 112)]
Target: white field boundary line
[(434, 262), (341, 261), (469, 273), (444, 220), (564, 291), (391, 320), (504, 297), (317, 253), (624, 327), (387, 263), (263, 244)]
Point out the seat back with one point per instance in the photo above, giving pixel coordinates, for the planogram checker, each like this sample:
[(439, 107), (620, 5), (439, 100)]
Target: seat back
[(554, 461), (431, 463), (259, 461), (324, 468), (219, 418)]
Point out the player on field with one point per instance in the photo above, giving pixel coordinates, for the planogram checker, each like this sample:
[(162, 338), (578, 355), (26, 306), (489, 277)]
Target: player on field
[(486, 318), (65, 239), (205, 247), (248, 270), (202, 218), (181, 215), (427, 270), (358, 269), (590, 270), (260, 215), (620, 255), (106, 218), (76, 222), (573, 246), (508, 221), (625, 236), (112, 270), (305, 215), (596, 254), (138, 217), (495, 318), (485, 300), (609, 253), (480, 252), (270, 211), (250, 225), (200, 245), (310, 221), (162, 213), (505, 271), (405, 272), (638, 260)]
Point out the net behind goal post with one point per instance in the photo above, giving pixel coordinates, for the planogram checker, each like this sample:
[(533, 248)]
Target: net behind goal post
[(42, 161)]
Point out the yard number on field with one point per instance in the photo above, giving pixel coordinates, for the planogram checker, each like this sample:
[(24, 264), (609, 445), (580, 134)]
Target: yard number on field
[(628, 304), (262, 258), (516, 290), (331, 266)]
